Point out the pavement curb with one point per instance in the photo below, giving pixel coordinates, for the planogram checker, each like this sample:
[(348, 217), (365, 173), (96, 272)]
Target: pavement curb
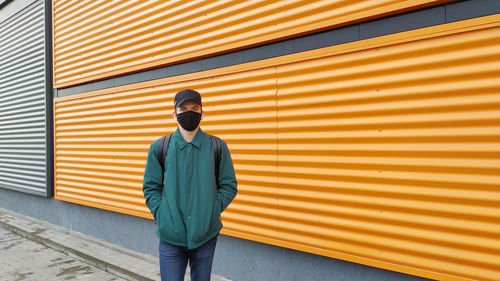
[(101, 264), (117, 260), (74, 253)]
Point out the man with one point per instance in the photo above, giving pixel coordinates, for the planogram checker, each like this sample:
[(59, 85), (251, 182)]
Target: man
[(188, 204)]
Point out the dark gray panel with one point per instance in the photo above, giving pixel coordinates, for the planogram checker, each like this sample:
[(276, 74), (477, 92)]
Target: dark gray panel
[(471, 9), (222, 60), (404, 22), (327, 38), (23, 102), (184, 68), (153, 74), (235, 258), (99, 85), (268, 51), (413, 20), (126, 79), (67, 92)]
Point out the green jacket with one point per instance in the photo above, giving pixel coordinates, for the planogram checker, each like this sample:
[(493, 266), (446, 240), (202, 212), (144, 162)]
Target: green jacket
[(187, 206)]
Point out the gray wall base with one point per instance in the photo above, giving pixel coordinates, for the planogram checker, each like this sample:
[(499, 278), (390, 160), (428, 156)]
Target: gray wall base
[(236, 259)]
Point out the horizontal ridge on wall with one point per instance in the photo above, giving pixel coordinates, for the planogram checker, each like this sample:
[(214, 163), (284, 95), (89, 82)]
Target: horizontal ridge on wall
[(102, 39), (101, 142), (382, 152)]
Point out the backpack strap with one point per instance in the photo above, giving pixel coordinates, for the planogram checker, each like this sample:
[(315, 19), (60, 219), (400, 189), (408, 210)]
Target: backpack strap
[(217, 147), (163, 152)]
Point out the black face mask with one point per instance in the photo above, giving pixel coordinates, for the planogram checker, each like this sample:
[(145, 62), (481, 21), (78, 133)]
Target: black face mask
[(189, 120)]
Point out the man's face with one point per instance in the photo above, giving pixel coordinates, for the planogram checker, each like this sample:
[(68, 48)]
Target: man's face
[(185, 107), (186, 117)]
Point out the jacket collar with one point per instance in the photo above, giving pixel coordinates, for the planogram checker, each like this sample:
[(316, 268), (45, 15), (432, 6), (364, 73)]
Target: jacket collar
[(196, 141)]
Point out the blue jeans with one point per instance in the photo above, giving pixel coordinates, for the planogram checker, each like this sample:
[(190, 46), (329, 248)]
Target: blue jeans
[(173, 261)]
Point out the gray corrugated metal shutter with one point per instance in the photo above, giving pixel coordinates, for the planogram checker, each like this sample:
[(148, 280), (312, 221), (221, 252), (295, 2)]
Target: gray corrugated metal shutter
[(23, 126)]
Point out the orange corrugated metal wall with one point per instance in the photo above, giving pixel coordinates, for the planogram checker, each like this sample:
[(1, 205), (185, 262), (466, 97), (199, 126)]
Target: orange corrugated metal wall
[(392, 153), (101, 141), (99, 39), (383, 151)]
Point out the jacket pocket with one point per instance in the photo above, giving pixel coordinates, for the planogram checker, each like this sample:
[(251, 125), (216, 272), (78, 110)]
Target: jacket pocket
[(216, 223), (216, 209)]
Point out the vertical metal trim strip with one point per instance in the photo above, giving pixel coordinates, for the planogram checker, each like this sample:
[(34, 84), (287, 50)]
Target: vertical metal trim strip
[(49, 99)]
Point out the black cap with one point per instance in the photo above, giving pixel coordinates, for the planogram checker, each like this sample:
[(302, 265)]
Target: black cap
[(185, 95)]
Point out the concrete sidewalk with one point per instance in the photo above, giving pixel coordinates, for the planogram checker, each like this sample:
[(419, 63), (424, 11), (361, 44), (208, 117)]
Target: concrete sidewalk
[(117, 261), (23, 259)]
